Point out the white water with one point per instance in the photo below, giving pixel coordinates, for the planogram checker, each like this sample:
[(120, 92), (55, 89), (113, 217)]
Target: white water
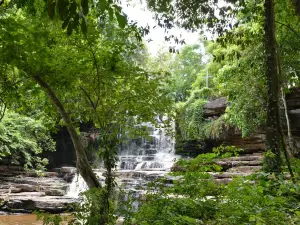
[(141, 160)]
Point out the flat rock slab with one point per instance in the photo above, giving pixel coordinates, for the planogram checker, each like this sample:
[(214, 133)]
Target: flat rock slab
[(21, 193), (37, 201)]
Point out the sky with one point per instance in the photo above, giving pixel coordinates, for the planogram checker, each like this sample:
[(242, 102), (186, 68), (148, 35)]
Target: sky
[(139, 13)]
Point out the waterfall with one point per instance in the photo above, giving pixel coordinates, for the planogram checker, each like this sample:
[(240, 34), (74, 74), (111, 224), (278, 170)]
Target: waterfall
[(155, 152), (141, 160)]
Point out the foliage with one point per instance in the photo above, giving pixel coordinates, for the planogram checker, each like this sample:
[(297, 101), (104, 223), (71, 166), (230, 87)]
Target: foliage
[(196, 14), (49, 219), (216, 128), (88, 76), (191, 123), (206, 162), (236, 69), (288, 34), (261, 198), (190, 118), (187, 64), (183, 68), (91, 210), (23, 139), (74, 14)]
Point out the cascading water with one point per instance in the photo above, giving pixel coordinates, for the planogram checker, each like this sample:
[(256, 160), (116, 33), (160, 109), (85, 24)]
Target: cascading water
[(141, 160), (147, 154)]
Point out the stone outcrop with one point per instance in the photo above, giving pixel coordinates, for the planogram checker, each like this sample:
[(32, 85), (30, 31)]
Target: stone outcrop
[(215, 108), (242, 165), (233, 137)]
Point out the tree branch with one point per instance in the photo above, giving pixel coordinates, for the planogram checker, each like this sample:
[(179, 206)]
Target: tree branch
[(289, 27)]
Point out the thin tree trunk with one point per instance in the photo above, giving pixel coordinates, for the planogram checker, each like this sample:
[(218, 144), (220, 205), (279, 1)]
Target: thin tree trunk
[(285, 150), (286, 155), (290, 136), (272, 132), (83, 166)]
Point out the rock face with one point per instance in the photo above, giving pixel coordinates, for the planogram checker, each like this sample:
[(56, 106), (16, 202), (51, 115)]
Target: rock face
[(21, 191), (253, 143), (215, 108), (193, 148), (65, 152), (233, 137)]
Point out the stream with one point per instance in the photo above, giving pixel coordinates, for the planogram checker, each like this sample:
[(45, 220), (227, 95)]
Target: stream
[(22, 219)]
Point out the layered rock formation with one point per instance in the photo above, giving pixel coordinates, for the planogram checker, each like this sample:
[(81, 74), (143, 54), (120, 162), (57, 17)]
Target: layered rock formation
[(22, 191), (233, 137)]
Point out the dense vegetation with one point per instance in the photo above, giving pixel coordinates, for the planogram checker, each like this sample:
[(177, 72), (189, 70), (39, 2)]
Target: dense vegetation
[(67, 62), (22, 139)]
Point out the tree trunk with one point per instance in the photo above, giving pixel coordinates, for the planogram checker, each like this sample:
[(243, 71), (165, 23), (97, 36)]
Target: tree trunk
[(290, 141), (83, 166), (273, 162)]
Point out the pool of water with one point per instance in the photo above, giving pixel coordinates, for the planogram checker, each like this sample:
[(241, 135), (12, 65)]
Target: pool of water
[(22, 219)]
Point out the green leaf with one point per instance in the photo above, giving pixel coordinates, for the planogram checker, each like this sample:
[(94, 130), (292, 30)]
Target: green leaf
[(62, 8), (102, 5), (73, 7), (70, 29), (85, 7), (83, 26), (110, 13), (122, 19)]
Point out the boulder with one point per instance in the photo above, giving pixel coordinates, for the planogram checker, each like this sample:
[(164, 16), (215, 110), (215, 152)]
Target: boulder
[(68, 177), (215, 108), (26, 204)]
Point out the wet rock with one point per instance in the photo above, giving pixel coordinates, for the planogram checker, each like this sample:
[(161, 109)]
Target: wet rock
[(68, 177), (245, 169), (21, 193), (223, 180), (55, 192), (29, 203), (68, 170), (50, 174), (228, 175), (26, 204), (177, 168), (6, 190), (27, 187)]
